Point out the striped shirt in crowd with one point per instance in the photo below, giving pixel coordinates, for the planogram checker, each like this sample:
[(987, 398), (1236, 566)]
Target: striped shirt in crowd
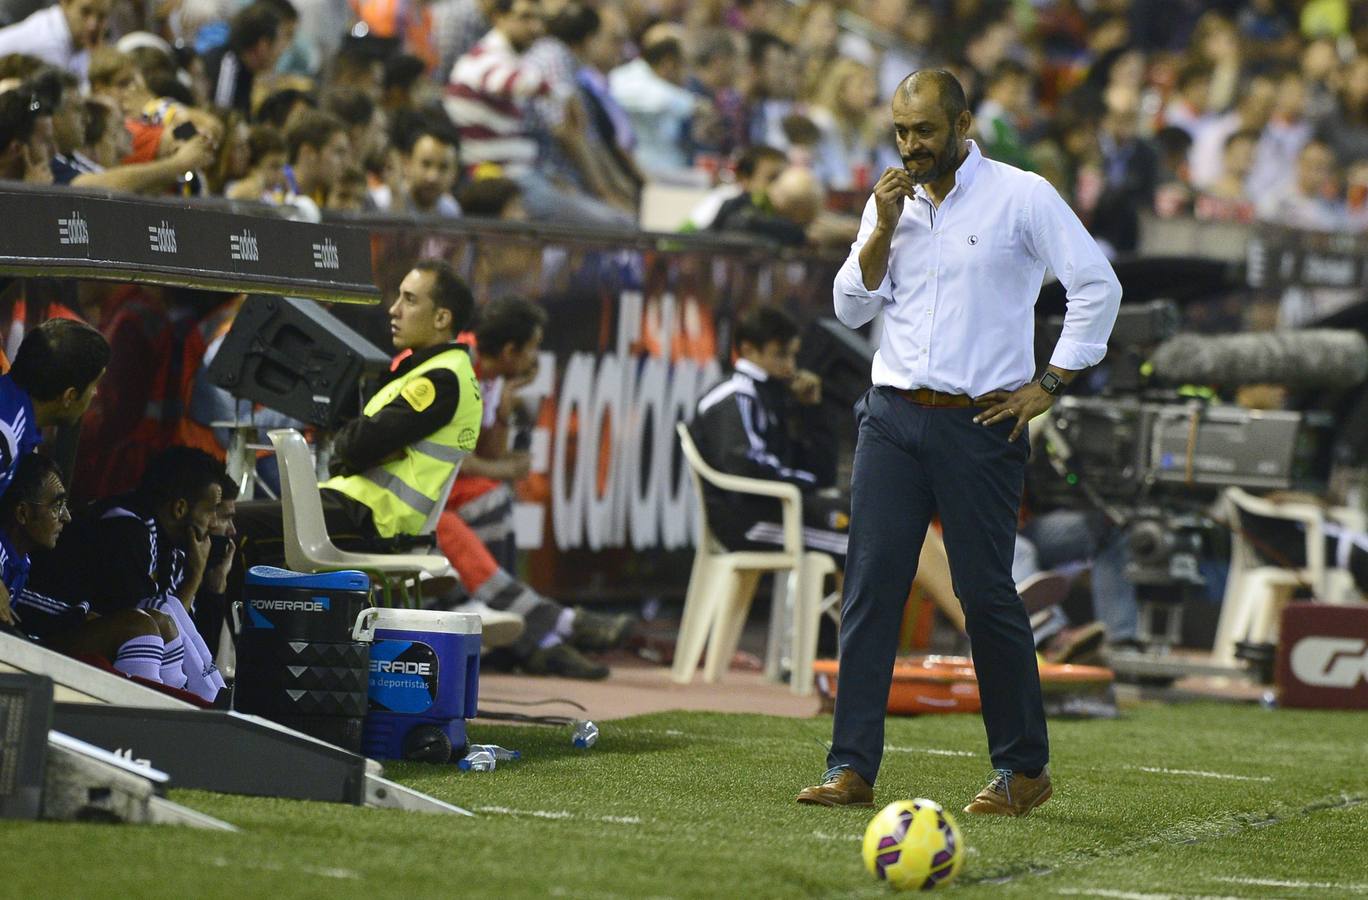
[(487, 98)]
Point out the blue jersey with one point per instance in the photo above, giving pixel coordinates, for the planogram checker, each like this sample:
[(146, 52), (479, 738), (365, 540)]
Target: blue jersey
[(14, 566), (19, 433)]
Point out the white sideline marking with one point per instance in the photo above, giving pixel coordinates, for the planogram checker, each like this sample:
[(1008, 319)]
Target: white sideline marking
[(889, 748), (1308, 885), (1200, 774), (557, 815), (326, 872), (1132, 895)]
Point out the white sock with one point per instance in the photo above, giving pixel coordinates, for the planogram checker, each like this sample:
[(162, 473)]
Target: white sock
[(549, 640), (173, 663), (141, 656), (565, 624)]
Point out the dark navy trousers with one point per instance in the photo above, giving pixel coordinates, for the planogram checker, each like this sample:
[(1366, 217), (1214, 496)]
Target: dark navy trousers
[(913, 463)]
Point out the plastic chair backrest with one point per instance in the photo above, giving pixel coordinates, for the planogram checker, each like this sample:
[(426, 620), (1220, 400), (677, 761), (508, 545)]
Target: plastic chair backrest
[(706, 540), (301, 504)]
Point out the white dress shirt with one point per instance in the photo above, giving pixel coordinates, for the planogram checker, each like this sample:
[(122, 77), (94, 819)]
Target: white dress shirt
[(959, 297), (45, 34)]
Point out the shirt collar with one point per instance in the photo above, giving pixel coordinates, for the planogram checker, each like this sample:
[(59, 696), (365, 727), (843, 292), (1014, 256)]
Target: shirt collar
[(964, 175), (751, 370)]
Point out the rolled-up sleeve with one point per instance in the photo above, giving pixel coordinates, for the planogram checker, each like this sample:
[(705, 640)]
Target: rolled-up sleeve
[(854, 304), (1093, 293)]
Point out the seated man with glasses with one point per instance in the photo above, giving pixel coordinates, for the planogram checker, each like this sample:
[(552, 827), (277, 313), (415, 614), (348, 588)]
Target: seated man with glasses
[(33, 512)]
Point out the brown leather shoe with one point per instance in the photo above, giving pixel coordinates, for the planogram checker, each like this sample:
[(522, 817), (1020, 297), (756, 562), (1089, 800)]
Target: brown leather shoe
[(1012, 794), (842, 786)]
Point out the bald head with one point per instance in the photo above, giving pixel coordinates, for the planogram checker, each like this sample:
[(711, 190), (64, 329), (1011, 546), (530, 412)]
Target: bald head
[(938, 83), (796, 195)]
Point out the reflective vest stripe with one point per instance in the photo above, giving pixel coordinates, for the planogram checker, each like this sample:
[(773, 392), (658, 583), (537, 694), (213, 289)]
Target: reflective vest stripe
[(404, 493), (439, 451)]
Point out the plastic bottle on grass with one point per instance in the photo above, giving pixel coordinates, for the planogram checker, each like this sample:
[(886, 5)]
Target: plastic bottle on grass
[(477, 761), (586, 734), (500, 754)]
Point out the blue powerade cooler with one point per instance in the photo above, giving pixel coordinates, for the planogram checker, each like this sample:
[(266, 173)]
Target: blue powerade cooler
[(424, 683)]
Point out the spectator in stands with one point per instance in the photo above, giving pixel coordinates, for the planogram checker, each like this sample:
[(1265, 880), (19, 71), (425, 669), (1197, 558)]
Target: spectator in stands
[(755, 170), (1006, 102), (1130, 169), (650, 89), (1287, 131), (51, 382), (349, 192), (70, 166), (1188, 108), (477, 535), (403, 83), (1216, 45), (33, 513), (1311, 200), (772, 84), (105, 141), (281, 108), (487, 98), (252, 50), (781, 214), (987, 46), (146, 550), (718, 127), (1225, 199), (364, 120), (61, 35), (494, 198), (850, 132), (430, 165), (1347, 129), (1320, 70), (114, 77), (25, 137), (319, 149), (359, 64), (1251, 113), (266, 160), (596, 38)]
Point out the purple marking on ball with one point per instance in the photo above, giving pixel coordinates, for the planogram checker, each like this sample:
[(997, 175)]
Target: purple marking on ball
[(942, 858), (887, 841)]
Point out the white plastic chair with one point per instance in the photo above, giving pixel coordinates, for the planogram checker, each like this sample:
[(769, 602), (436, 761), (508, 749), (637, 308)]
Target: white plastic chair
[(722, 583), (1256, 591), (307, 545)]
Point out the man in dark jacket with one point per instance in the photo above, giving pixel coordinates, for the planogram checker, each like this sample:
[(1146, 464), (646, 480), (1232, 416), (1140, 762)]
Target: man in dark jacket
[(765, 422)]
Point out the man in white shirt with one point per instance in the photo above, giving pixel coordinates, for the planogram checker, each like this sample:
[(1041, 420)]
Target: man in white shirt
[(952, 249), (61, 35), (649, 89)]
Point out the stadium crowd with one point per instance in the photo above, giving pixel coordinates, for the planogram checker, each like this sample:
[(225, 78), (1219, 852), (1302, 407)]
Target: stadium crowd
[(564, 111), (1233, 110)]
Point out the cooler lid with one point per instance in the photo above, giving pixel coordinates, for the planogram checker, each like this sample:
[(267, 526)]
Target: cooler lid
[(432, 620), (270, 576)]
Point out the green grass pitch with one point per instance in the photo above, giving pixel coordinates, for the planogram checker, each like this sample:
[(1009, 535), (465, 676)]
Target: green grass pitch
[(1199, 800)]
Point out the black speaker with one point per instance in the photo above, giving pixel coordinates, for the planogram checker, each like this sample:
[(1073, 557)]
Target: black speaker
[(295, 357), (841, 357)]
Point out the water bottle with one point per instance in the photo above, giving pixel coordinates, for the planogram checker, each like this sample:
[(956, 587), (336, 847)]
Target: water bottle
[(500, 754), (477, 761), (586, 734)]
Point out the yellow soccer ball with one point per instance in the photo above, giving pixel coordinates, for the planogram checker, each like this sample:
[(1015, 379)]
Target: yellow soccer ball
[(914, 845)]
